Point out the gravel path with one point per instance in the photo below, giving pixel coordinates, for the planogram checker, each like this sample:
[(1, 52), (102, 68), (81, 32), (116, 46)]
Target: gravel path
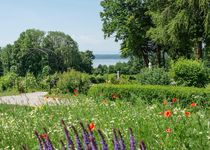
[(31, 99)]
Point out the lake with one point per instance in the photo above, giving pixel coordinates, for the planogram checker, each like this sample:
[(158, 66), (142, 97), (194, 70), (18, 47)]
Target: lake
[(107, 59)]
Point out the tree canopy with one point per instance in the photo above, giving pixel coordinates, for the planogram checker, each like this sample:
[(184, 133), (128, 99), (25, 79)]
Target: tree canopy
[(178, 28), (35, 49)]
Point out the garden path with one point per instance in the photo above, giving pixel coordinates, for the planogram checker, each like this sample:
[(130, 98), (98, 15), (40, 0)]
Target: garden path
[(30, 99)]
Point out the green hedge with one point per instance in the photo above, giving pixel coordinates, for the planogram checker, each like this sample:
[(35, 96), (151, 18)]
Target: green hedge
[(149, 92)]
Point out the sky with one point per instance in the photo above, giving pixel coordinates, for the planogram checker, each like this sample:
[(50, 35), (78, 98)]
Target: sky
[(78, 18)]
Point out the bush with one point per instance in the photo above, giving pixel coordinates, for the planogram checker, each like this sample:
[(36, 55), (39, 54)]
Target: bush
[(149, 92), (74, 80), (96, 79), (27, 83), (48, 81), (8, 81), (189, 73), (154, 76)]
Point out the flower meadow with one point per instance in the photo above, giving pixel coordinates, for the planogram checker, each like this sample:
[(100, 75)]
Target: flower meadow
[(163, 125)]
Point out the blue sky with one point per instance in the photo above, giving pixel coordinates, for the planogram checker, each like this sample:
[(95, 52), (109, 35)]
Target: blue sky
[(78, 18)]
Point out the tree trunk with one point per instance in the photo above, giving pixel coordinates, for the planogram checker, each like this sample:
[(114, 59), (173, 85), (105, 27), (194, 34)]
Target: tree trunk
[(199, 50), (158, 52), (164, 60), (145, 57)]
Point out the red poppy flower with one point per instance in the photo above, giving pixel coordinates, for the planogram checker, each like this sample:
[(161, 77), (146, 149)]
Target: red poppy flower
[(174, 99), (165, 102), (187, 114), (193, 104), (75, 92), (167, 113), (168, 130), (91, 126), (115, 96), (43, 136)]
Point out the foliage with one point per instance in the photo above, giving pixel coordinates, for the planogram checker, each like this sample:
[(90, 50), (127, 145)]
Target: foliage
[(96, 79), (8, 81), (190, 73), (86, 61), (73, 80), (154, 76), (48, 82), (149, 93), (147, 121), (182, 25), (133, 66), (34, 50), (128, 22)]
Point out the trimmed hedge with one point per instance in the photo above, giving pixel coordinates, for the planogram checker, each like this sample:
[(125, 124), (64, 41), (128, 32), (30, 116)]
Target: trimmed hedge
[(149, 93)]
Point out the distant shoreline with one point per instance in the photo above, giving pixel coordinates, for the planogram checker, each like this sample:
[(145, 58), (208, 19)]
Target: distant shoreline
[(108, 59)]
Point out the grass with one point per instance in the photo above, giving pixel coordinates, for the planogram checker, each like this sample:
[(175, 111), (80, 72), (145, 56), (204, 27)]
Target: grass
[(9, 92), (19, 122)]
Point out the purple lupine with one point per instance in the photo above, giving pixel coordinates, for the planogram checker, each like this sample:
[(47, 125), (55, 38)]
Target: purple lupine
[(142, 145), (103, 141), (48, 141), (39, 140), (132, 140), (122, 143), (116, 142), (78, 142), (63, 145), (68, 138), (85, 137), (92, 140)]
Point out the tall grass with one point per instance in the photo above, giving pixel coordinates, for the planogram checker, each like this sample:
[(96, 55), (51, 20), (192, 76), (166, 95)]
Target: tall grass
[(179, 130)]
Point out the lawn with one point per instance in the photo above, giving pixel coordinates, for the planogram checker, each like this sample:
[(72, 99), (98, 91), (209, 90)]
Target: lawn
[(160, 126)]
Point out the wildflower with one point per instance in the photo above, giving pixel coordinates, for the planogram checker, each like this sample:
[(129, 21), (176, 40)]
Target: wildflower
[(193, 104), (167, 113), (121, 142), (174, 99), (75, 92), (165, 102), (132, 140), (78, 142), (68, 138), (187, 113), (115, 96), (104, 144), (168, 130), (91, 126), (142, 145), (115, 141), (160, 113)]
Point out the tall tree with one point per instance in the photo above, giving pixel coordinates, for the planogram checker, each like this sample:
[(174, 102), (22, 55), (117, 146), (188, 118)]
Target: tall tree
[(86, 61), (6, 57), (127, 21), (24, 53), (65, 48), (182, 25)]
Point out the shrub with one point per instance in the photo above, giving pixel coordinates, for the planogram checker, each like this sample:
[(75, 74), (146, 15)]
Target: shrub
[(27, 83), (30, 81), (97, 79), (149, 92), (154, 76), (189, 73), (73, 80), (48, 81), (8, 81)]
